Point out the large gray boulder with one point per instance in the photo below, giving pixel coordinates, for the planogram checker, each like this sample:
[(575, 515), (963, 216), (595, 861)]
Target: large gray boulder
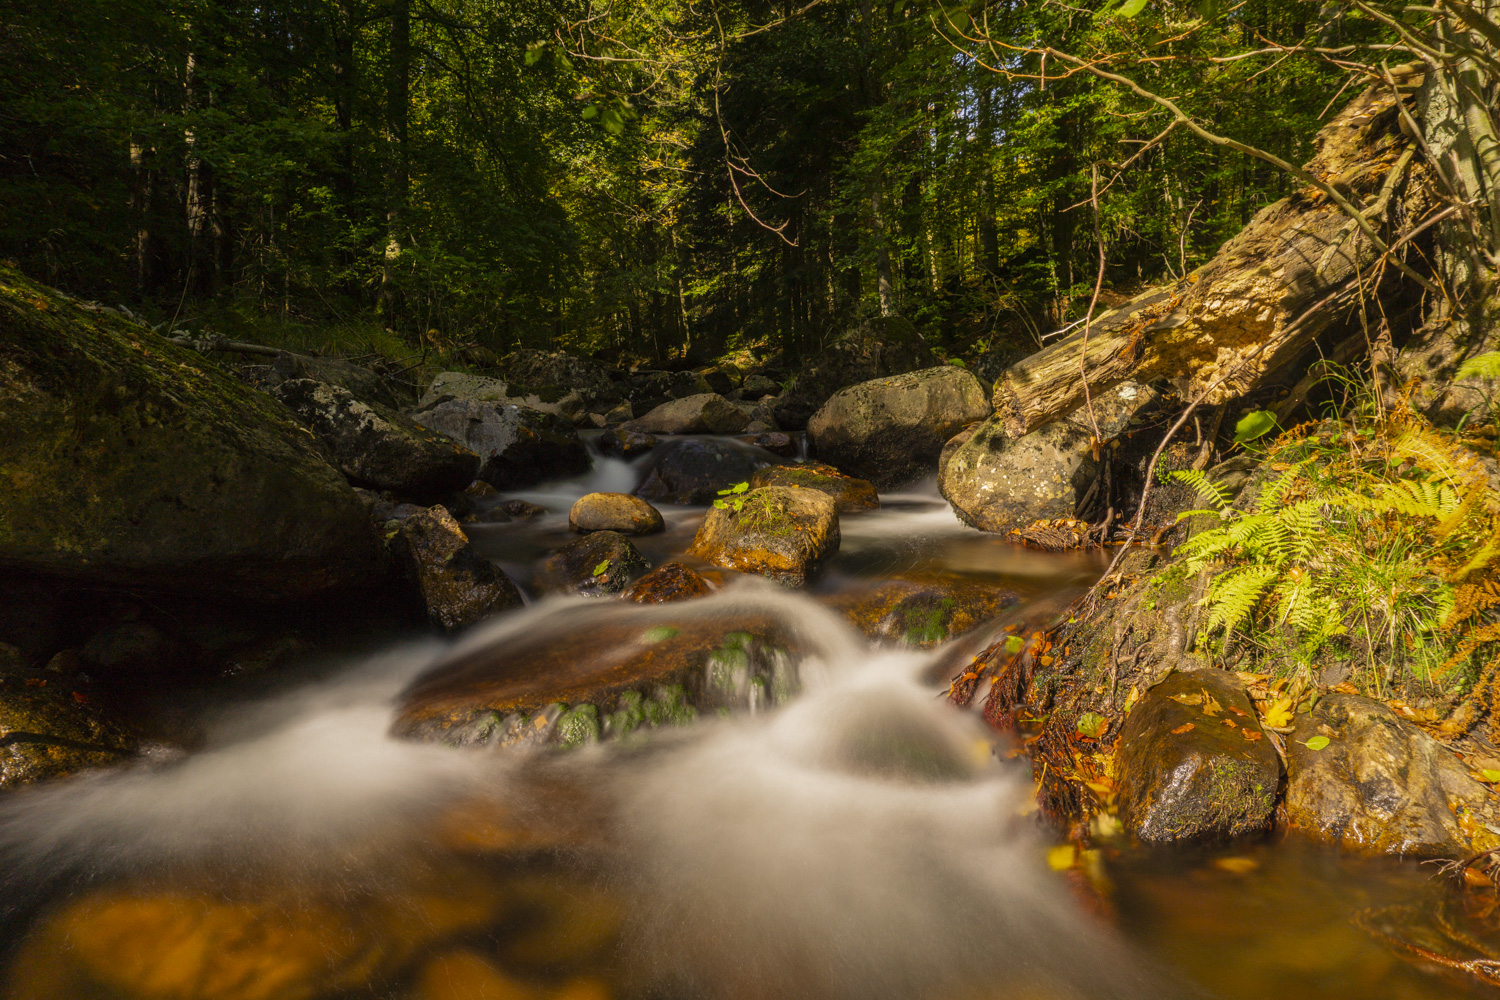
[(128, 460), (377, 447), (565, 403), (517, 444), (996, 482), (704, 413), (891, 430)]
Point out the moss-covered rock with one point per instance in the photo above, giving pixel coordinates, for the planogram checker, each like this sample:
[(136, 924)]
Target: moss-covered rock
[(599, 563), (129, 460), (598, 673), (922, 611), (1193, 762), (47, 730), (892, 430), (849, 494), (782, 532), (378, 447)]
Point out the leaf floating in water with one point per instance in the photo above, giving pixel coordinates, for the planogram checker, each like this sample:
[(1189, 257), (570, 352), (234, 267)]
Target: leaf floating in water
[(1251, 736), (661, 633), (1236, 866), (1211, 708), (1014, 644), (1187, 699), (1091, 724), (1317, 743), (1184, 728)]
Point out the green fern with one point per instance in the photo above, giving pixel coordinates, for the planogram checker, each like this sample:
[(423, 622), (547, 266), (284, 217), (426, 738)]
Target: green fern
[(1215, 495), (1486, 366)]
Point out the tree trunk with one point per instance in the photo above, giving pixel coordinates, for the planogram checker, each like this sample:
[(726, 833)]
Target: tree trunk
[(398, 88), (1298, 269)]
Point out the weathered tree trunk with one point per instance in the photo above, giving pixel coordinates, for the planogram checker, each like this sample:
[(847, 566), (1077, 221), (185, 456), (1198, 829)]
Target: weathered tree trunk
[(1299, 268)]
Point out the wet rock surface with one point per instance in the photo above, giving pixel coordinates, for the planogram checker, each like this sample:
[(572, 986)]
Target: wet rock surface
[(622, 512), (378, 447), (1193, 763), (49, 729), (849, 494), (892, 430), (129, 460), (517, 444), (1380, 785), (922, 612), (619, 668), (782, 532), (694, 470), (457, 586), (996, 483), (626, 443), (599, 563), (667, 583), (704, 413), (776, 442)]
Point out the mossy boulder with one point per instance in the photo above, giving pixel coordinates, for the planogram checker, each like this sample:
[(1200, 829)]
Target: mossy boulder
[(694, 470), (995, 482), (849, 494), (922, 612), (1380, 785), (378, 447), (47, 730), (599, 672), (519, 445), (892, 430), (629, 515), (782, 532), (128, 460), (1193, 763), (599, 563)]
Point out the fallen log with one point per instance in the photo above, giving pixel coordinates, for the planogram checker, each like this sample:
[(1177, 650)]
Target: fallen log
[(1301, 268)]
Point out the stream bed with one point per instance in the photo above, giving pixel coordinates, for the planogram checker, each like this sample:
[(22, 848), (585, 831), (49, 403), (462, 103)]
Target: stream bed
[(859, 840)]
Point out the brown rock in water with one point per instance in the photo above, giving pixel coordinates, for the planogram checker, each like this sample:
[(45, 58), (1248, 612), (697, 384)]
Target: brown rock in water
[(892, 430), (629, 515), (782, 532), (667, 583), (704, 413), (595, 672), (599, 563), (776, 442), (272, 944), (458, 587), (1381, 785), (922, 612), (848, 493), (46, 731), (1193, 763), (625, 442)]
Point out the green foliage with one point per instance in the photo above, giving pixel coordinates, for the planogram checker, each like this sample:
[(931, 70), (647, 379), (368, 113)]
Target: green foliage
[(734, 501), (1486, 366)]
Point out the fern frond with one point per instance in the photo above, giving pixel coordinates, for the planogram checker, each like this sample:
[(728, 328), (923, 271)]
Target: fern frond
[(1485, 365), (1211, 493), (1234, 595), (1429, 450), (1411, 497), (1272, 492)]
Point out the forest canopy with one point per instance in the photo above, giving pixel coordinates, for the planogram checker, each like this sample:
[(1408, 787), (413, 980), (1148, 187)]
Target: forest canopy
[(661, 176)]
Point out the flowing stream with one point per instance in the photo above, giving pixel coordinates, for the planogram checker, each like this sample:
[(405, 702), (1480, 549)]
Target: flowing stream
[(862, 840)]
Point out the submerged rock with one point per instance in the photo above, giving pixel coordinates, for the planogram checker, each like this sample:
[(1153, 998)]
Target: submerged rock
[(705, 413), (128, 460), (378, 447), (599, 672), (629, 515), (667, 583), (458, 587), (599, 563), (1380, 785), (922, 612), (625, 443), (47, 730), (849, 494), (518, 445), (782, 532), (892, 430), (995, 482), (695, 470), (1193, 762)]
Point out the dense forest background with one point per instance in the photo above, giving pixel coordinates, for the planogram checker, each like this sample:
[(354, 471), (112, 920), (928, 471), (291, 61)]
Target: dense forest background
[(657, 177)]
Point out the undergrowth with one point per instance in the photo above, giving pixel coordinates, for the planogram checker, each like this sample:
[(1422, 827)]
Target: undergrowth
[(1373, 542)]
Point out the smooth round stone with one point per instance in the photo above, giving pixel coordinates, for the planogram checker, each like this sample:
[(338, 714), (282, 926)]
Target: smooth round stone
[(629, 515)]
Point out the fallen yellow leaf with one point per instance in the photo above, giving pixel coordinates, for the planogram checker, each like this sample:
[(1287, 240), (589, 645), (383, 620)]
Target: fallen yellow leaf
[(1279, 714)]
